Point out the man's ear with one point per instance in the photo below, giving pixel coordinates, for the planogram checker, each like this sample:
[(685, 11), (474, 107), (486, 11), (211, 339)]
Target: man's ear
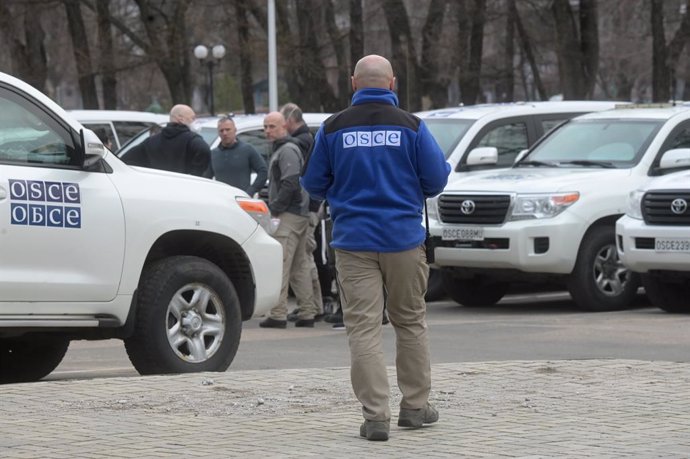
[(354, 85), (392, 86)]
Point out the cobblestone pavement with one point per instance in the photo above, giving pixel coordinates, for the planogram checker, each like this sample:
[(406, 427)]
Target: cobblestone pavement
[(589, 408)]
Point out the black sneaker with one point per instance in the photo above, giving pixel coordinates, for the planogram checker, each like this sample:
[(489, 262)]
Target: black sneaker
[(339, 326), (273, 323), (375, 430), (293, 316), (304, 323), (334, 318)]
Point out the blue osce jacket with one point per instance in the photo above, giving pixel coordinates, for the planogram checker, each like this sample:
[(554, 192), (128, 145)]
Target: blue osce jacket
[(375, 164)]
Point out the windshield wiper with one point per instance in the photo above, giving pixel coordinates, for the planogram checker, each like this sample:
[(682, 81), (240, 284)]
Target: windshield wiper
[(537, 163), (587, 162)]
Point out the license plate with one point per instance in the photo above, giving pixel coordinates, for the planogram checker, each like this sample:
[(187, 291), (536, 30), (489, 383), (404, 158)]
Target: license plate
[(672, 245), (463, 234)]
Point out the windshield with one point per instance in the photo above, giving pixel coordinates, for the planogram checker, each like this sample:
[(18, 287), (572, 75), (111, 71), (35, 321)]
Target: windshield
[(448, 132), (595, 143)]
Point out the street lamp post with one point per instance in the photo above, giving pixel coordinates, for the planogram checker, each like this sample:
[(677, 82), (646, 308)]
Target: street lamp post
[(217, 53)]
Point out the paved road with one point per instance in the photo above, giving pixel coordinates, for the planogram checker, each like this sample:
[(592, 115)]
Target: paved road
[(528, 409), (522, 327)]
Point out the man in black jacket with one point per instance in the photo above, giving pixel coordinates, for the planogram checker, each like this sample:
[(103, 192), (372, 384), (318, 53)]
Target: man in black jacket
[(176, 148)]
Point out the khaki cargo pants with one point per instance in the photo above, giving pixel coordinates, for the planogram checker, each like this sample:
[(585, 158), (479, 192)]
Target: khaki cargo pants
[(292, 235), (362, 277)]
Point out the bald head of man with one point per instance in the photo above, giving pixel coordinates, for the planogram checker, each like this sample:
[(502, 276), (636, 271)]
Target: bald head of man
[(182, 114), (373, 71), (275, 126)]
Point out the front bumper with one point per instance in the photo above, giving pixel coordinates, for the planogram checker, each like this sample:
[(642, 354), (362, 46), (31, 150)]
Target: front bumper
[(635, 241)]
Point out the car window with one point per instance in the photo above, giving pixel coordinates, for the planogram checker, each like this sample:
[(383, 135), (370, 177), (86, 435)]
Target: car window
[(615, 141), (128, 129), (209, 134), (547, 125), (509, 140), (29, 136), (448, 132)]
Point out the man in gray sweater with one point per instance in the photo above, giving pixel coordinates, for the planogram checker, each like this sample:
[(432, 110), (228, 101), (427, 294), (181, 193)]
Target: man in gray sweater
[(233, 161)]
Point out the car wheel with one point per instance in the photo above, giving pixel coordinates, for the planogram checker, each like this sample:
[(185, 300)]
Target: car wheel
[(30, 359), (475, 291), (435, 290), (187, 320), (670, 296), (599, 281)]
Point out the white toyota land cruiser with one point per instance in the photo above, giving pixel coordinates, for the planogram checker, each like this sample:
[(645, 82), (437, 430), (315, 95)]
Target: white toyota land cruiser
[(91, 248), (654, 236), (552, 216)]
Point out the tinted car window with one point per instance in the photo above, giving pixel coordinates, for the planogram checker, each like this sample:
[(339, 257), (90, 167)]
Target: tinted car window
[(29, 136), (509, 140), (128, 129), (258, 140), (448, 132)]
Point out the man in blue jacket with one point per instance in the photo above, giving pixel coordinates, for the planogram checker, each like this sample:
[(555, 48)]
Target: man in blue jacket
[(375, 164)]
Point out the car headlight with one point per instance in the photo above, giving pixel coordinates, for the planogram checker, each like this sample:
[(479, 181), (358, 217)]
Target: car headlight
[(535, 206), (259, 212), (634, 209)]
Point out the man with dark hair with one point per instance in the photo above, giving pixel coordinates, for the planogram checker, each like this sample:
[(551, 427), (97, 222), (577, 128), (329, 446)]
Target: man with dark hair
[(176, 148), (376, 164)]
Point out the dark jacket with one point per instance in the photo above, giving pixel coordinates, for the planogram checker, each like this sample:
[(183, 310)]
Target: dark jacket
[(176, 149), (284, 191), (305, 140), (375, 164)]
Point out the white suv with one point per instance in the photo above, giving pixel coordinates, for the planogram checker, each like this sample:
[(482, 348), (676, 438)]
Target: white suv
[(654, 236), (121, 125), (552, 216), (95, 249), (490, 136)]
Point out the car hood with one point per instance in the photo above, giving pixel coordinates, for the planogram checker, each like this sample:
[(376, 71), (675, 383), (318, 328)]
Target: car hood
[(675, 180), (532, 180)]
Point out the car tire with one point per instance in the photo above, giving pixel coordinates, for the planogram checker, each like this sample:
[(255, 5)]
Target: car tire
[(599, 281), (188, 318), (672, 297), (31, 358), (435, 290), (476, 291)]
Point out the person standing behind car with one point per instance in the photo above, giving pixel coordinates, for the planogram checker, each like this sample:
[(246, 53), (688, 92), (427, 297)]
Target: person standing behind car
[(299, 131), (375, 164), (233, 161), (176, 148), (290, 204)]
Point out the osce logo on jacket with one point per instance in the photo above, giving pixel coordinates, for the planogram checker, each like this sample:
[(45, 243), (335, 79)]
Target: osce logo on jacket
[(39, 203), (371, 139)]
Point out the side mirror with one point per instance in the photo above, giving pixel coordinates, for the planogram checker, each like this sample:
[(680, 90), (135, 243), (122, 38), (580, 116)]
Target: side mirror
[(520, 155), (482, 155), (93, 149), (678, 157)]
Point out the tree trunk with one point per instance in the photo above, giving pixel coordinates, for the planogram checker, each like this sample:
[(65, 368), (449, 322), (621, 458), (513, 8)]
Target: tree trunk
[(504, 88), (106, 56), (660, 71), (529, 55), (471, 39), (432, 81), (356, 34), (343, 81), (589, 45), (245, 56), (82, 55), (404, 56), (165, 26), (28, 62)]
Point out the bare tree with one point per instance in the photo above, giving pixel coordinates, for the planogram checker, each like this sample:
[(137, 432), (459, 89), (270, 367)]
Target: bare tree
[(577, 47), (106, 55), (82, 54), (665, 57), (526, 47), (434, 82), (24, 35), (404, 55), (245, 55), (470, 47)]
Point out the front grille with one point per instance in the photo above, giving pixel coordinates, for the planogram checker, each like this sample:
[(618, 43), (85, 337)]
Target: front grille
[(668, 207), (478, 209)]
